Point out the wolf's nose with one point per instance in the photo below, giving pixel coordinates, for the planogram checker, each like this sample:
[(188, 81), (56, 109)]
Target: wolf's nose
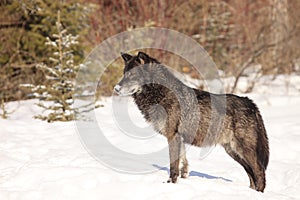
[(117, 88)]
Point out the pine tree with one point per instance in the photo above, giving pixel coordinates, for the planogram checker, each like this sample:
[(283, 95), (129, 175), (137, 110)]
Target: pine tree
[(55, 94)]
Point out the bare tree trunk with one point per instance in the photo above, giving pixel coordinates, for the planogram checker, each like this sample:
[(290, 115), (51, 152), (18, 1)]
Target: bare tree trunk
[(280, 27)]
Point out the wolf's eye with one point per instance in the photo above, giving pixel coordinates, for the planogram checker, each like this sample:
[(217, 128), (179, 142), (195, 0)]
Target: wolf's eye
[(128, 73)]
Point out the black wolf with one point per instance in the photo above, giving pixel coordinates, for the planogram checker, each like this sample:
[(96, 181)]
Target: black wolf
[(192, 116)]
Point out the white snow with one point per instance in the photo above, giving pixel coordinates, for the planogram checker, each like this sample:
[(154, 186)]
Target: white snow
[(39, 160)]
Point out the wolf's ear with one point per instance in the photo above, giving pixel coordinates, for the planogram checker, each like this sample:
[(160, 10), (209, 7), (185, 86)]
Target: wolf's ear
[(126, 56), (144, 57)]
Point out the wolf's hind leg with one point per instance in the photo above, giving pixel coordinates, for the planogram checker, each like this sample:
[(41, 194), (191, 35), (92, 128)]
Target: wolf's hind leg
[(254, 167), (183, 161), (242, 162), (258, 170), (247, 157)]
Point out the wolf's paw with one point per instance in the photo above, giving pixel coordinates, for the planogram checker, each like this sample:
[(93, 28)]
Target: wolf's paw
[(184, 174), (172, 180)]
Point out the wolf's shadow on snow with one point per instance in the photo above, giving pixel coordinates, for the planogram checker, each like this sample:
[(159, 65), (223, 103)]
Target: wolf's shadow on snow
[(193, 173)]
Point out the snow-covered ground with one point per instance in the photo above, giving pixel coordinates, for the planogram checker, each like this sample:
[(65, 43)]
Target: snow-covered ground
[(39, 160)]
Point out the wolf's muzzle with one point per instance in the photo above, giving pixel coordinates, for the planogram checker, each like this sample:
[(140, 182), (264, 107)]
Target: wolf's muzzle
[(117, 88)]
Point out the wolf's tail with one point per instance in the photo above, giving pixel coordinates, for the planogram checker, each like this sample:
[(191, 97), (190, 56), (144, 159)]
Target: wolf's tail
[(262, 142)]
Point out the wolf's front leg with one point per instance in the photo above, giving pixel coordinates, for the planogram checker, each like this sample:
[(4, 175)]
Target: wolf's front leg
[(174, 152), (183, 161)]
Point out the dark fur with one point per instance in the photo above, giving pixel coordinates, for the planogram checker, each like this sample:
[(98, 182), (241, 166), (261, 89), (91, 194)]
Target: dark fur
[(241, 133)]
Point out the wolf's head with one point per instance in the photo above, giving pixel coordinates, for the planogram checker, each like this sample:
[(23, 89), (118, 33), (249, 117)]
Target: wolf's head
[(136, 73)]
